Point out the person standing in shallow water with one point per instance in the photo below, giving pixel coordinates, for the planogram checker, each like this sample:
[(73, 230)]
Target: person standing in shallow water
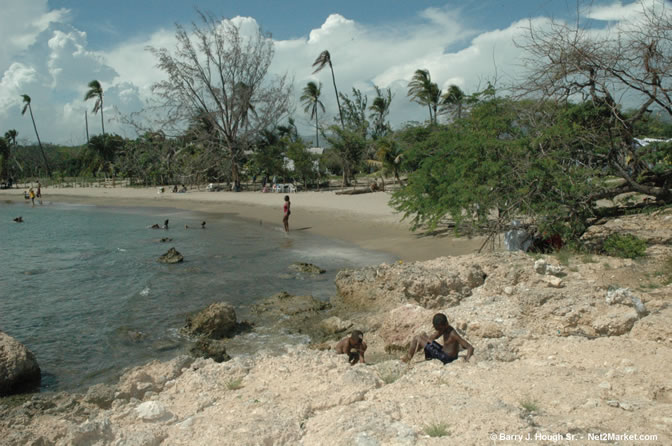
[(287, 212)]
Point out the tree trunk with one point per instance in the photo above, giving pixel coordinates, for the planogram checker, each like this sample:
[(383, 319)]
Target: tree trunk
[(44, 157), (338, 102)]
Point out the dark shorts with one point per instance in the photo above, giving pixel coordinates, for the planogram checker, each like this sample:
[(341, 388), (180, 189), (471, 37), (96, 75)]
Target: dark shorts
[(434, 350)]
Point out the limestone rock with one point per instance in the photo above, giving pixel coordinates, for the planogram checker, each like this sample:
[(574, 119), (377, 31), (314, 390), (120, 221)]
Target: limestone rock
[(654, 228), (306, 268), (153, 411), (333, 325), (433, 284), (100, 395), (151, 377), (485, 330), (214, 349), (19, 370), (554, 282), (655, 327), (217, 321), (625, 297), (288, 304), (170, 257), (615, 322)]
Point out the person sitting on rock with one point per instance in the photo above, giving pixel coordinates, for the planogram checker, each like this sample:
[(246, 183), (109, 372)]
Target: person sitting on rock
[(353, 346), (452, 342)]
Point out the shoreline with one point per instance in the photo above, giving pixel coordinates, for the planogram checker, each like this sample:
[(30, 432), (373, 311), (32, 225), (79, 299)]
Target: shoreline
[(365, 220)]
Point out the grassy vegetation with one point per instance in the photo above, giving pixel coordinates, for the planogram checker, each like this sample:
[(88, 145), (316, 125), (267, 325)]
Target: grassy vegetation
[(436, 430), (624, 245), (666, 271), (564, 255), (529, 405)]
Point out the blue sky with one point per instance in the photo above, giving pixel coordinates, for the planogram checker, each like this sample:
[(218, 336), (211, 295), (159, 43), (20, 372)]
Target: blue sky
[(51, 49)]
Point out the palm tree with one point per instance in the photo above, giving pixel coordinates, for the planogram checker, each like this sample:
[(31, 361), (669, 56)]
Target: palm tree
[(311, 101), (26, 106), (322, 60), (10, 135), (453, 101), (422, 90), (96, 91), (380, 107)]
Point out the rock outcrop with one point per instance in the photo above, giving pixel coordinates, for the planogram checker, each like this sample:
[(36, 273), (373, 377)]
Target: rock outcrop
[(436, 283), (308, 268), (19, 371), (217, 321), (171, 256), (654, 228)]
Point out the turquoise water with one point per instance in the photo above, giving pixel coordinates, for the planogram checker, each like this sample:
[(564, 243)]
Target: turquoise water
[(81, 287)]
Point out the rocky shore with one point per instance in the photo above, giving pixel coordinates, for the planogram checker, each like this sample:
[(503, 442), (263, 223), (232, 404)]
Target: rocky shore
[(566, 350)]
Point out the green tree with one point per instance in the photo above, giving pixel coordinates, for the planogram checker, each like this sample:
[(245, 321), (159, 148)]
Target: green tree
[(390, 153), (27, 106), (380, 108), (311, 102), (422, 90), (452, 101), (4, 160), (96, 92), (350, 145), (323, 60), (304, 162)]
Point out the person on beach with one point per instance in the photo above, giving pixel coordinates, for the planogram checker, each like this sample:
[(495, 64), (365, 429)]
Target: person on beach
[(31, 193), (18, 220), (39, 190), (353, 346), (165, 224), (452, 342), (286, 213)]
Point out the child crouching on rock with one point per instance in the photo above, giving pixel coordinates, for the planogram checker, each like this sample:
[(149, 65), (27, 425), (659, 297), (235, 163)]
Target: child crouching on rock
[(353, 346), (433, 350)]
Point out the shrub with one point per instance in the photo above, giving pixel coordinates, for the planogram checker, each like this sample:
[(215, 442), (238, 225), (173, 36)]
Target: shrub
[(436, 430), (624, 245)]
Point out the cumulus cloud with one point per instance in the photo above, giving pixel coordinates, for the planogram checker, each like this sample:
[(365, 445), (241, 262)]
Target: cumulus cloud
[(50, 59)]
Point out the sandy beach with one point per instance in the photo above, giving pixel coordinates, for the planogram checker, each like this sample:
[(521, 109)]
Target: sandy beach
[(366, 219)]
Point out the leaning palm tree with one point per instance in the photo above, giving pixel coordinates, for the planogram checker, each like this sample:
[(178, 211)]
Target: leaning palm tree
[(323, 60), (311, 101), (452, 101), (96, 91), (26, 106), (422, 90)]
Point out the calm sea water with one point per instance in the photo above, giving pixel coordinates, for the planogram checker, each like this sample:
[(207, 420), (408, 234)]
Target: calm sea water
[(81, 287)]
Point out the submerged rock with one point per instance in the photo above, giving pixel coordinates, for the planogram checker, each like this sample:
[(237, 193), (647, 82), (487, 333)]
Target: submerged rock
[(217, 321), (306, 268), (285, 304), (172, 256), (19, 371)]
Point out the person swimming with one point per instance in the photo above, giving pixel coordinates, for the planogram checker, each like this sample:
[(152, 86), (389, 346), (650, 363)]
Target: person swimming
[(18, 220)]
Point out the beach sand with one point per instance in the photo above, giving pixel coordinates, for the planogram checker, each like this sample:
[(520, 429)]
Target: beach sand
[(366, 219)]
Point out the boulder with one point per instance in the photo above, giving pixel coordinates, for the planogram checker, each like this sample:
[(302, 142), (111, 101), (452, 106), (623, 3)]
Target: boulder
[(19, 371), (306, 268), (615, 322), (217, 321), (333, 325), (624, 296), (100, 395), (153, 411), (172, 256), (151, 377), (214, 349)]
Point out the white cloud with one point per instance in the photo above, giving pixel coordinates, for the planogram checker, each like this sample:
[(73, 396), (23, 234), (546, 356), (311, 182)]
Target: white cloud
[(52, 61)]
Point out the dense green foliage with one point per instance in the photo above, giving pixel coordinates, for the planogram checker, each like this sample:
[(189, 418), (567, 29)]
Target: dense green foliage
[(624, 245)]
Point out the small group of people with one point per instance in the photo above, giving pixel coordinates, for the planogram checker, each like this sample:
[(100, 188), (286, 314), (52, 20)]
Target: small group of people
[(181, 190), (30, 194), (157, 226), (354, 345)]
